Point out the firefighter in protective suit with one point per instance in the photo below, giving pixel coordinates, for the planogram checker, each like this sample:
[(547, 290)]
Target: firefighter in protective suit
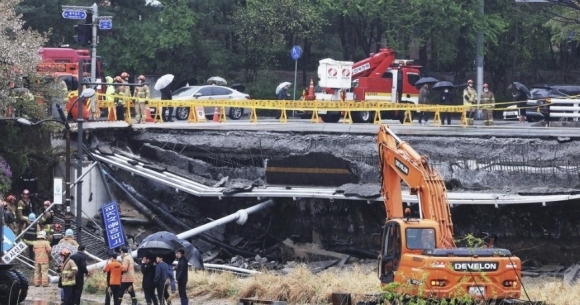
[(123, 93), (46, 220), (68, 270), (487, 103), (142, 94), (469, 99), (41, 259)]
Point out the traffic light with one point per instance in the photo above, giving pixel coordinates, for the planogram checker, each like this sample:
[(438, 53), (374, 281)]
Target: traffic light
[(84, 34)]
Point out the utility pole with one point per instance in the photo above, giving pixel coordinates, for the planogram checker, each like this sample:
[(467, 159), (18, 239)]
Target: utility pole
[(479, 61), (97, 22)]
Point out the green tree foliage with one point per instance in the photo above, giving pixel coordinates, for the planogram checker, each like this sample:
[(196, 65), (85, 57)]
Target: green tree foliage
[(238, 39)]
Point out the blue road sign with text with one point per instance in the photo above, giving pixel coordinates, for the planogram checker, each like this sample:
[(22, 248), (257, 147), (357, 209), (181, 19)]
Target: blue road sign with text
[(9, 238), (113, 226), (106, 24), (296, 52), (74, 14)]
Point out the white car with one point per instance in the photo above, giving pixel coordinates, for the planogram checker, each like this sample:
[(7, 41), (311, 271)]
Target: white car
[(210, 92)]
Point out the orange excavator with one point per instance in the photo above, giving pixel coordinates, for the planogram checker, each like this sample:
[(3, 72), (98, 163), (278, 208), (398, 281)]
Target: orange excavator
[(418, 251)]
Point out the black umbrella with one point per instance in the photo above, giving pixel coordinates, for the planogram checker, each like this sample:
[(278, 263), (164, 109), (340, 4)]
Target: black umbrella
[(161, 243), (519, 86), (154, 248), (192, 255), (426, 80), (443, 84)]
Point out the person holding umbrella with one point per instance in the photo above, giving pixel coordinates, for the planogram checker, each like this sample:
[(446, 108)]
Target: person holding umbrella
[(162, 85), (282, 94), (423, 100), (520, 94), (181, 275), (160, 279), (446, 99), (148, 285)]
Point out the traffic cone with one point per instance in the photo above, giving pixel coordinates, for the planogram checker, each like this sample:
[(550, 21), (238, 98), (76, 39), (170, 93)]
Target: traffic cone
[(148, 117), (311, 95), (216, 114)]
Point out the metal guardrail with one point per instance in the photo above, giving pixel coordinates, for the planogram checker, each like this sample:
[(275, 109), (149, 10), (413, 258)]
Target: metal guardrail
[(565, 108)]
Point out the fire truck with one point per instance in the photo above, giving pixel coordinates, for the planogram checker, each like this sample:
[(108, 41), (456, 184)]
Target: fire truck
[(64, 63), (418, 250), (380, 77)]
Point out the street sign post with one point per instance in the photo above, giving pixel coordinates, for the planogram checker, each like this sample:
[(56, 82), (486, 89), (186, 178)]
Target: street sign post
[(105, 24), (8, 238), (74, 14), (113, 226), (11, 254), (296, 53)]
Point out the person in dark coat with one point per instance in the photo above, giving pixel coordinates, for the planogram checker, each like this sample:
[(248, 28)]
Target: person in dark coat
[(446, 99), (161, 279), (148, 270), (521, 97), (181, 276), (80, 259), (166, 95)]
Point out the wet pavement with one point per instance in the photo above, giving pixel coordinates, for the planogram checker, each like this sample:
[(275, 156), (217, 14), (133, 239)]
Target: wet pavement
[(45, 302)]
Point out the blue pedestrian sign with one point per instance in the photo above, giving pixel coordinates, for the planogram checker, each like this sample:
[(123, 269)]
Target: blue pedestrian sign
[(113, 226), (296, 52), (9, 237), (105, 24), (74, 14)]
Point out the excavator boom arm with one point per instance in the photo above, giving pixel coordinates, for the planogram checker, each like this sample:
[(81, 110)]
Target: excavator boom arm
[(399, 161)]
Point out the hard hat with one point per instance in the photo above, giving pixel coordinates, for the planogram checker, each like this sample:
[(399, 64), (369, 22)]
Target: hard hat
[(57, 227), (470, 81), (32, 217), (141, 77), (41, 234), (10, 198), (64, 252), (25, 192), (68, 232), (124, 75), (47, 203), (485, 85)]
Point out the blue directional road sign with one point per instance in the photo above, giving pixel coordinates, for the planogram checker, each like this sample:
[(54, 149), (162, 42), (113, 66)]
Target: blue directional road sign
[(74, 14), (105, 24), (9, 237), (296, 52), (113, 226)]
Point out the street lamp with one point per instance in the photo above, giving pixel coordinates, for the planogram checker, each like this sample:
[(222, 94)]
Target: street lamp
[(87, 93)]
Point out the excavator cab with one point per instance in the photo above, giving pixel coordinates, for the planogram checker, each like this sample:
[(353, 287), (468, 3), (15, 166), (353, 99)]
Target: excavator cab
[(420, 238), (390, 256)]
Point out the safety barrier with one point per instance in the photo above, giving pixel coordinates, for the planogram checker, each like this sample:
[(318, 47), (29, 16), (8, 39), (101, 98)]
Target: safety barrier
[(565, 108), (559, 108)]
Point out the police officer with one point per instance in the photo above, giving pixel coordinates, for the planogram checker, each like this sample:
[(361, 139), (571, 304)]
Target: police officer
[(142, 94)]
